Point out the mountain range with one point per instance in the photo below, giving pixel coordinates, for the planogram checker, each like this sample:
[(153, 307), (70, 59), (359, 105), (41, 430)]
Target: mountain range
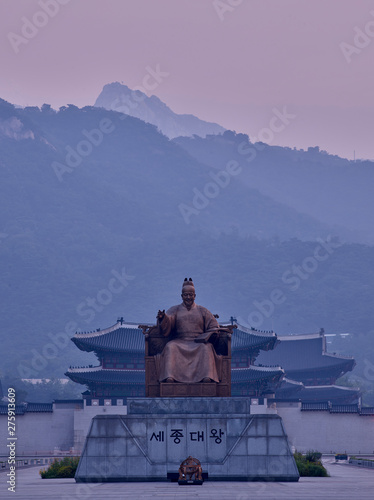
[(101, 215), (118, 97)]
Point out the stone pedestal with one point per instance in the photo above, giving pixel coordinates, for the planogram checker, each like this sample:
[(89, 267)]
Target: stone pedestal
[(188, 390), (157, 434)]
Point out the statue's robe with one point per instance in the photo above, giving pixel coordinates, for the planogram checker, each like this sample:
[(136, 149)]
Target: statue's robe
[(182, 358)]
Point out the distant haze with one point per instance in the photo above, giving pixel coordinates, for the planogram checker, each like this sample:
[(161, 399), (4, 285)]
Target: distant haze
[(118, 97), (230, 65)]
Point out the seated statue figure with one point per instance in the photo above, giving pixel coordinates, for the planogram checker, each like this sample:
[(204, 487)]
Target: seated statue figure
[(188, 357)]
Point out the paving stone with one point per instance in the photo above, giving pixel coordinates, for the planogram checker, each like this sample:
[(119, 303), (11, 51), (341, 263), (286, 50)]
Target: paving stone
[(346, 483)]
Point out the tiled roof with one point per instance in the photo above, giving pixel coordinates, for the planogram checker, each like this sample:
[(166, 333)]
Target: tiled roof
[(332, 408), (319, 393), (244, 339), (333, 393), (39, 407), (254, 373), (106, 376), (130, 338), (303, 353), (29, 408), (317, 406), (344, 409), (68, 401), (120, 339), (289, 383), (368, 410), (289, 387), (20, 409), (97, 374)]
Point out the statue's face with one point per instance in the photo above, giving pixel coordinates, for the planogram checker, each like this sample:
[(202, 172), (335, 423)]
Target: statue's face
[(188, 296)]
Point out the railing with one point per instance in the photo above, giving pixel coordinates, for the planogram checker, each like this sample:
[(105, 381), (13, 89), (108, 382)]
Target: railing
[(322, 406), (27, 462), (367, 410), (334, 408), (360, 462)]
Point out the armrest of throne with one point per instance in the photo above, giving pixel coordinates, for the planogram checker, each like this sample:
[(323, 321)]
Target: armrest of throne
[(221, 340), (154, 340)]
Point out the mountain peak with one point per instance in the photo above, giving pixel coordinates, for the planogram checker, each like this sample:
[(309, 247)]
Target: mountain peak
[(119, 97)]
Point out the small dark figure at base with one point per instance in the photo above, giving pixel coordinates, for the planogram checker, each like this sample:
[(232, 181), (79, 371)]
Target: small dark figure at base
[(189, 468)]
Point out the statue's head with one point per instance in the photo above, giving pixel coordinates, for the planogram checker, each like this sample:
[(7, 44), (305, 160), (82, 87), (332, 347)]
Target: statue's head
[(188, 293)]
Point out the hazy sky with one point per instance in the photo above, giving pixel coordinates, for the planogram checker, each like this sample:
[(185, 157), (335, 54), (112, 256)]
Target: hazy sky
[(227, 61)]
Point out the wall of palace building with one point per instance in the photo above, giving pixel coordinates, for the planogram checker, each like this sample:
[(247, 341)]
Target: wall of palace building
[(351, 433), (64, 429), (40, 432), (61, 430), (83, 417)]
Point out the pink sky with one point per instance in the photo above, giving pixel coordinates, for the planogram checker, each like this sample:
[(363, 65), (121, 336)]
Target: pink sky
[(232, 70)]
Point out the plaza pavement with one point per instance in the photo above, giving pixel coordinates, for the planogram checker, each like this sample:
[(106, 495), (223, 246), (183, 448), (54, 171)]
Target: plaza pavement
[(346, 483)]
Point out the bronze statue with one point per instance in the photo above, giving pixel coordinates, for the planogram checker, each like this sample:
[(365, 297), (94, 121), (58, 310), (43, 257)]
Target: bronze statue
[(188, 357), (188, 468), (187, 354)]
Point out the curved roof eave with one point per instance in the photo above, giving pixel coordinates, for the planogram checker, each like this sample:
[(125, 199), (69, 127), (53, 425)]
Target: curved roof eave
[(129, 338)]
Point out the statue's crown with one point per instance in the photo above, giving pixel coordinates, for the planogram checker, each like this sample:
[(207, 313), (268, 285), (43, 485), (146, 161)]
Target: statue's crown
[(187, 282)]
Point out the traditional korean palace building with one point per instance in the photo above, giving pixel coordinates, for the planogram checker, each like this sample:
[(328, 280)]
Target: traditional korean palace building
[(297, 370), (305, 359), (311, 372), (291, 368)]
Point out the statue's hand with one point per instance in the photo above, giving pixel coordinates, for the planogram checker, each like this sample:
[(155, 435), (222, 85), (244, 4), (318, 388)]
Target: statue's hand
[(161, 315), (203, 337)]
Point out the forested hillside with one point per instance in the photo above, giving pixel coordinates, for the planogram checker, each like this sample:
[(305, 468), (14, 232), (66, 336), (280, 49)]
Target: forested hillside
[(94, 225), (333, 190)]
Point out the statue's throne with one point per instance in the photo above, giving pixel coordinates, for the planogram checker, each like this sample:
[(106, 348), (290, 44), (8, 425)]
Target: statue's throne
[(155, 343)]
